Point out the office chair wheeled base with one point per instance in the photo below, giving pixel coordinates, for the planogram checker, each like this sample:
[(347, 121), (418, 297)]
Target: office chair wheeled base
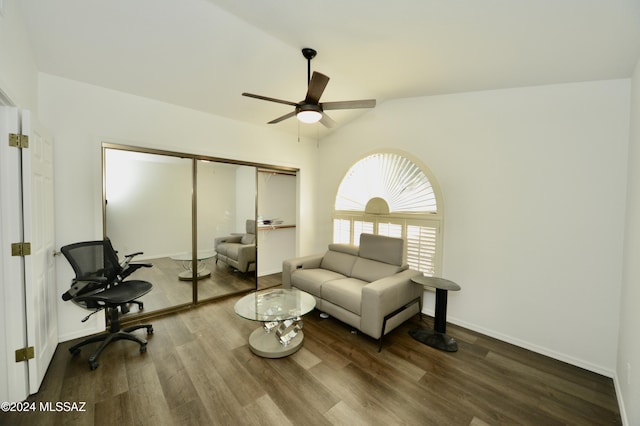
[(114, 333)]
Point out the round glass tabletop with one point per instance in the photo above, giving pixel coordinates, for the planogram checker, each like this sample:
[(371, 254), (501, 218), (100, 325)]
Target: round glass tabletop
[(200, 255), (275, 305)]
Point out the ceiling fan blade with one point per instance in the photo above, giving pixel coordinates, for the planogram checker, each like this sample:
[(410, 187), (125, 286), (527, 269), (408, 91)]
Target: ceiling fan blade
[(316, 87), (284, 117), (327, 121), (265, 98), (362, 103)]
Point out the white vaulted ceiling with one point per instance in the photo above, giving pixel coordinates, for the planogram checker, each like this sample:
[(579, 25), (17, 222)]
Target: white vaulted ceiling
[(203, 54)]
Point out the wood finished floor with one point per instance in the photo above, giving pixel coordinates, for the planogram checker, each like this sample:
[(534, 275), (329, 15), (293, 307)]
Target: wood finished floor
[(198, 370)]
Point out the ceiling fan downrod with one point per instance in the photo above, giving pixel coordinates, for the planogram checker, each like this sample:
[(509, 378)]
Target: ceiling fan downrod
[(309, 53)]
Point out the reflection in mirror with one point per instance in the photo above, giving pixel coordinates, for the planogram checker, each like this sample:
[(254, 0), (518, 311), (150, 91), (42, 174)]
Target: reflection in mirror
[(148, 209), (226, 226), (276, 224)]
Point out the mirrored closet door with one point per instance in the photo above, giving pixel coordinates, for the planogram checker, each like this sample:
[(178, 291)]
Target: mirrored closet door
[(176, 208), (226, 206)]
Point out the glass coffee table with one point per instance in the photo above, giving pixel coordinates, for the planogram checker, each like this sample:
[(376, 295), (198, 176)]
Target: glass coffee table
[(280, 311)]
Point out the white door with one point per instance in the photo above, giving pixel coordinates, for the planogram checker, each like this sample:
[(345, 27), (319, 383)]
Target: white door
[(14, 377), (40, 285), (29, 316)]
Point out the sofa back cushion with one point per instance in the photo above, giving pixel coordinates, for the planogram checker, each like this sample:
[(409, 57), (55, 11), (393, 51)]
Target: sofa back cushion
[(340, 258), (248, 239), (250, 236), (370, 270), (381, 248)]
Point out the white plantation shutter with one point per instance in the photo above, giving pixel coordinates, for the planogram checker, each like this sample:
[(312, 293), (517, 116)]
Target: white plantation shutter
[(391, 177), (361, 227), (413, 208), (390, 229), (342, 231), (421, 247)]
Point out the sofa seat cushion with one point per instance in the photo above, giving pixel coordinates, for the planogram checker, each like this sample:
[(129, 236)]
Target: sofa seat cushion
[(311, 280), (344, 292), (222, 249), (229, 249), (371, 270)]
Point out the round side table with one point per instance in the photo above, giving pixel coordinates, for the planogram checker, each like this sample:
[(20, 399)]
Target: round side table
[(437, 338), (187, 263)]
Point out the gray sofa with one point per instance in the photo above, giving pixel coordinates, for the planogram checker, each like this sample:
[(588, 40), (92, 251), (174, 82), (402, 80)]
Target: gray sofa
[(238, 250), (368, 287)]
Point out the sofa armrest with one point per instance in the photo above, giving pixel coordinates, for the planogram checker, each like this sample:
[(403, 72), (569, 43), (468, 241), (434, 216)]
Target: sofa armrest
[(246, 255), (384, 296), (227, 239), (306, 262)]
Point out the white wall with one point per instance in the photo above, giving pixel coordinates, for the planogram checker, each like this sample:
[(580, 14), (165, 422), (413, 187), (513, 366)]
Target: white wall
[(628, 367), (533, 181), (82, 116), (18, 72)]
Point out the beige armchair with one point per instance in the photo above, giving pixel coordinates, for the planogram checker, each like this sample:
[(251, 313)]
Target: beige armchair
[(238, 250)]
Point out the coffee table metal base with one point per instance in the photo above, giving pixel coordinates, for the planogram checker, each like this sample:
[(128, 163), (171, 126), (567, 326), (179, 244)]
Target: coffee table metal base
[(267, 345)]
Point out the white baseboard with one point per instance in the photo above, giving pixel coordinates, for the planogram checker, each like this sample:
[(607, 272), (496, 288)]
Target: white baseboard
[(98, 326), (527, 345), (263, 273), (621, 407), (77, 334)]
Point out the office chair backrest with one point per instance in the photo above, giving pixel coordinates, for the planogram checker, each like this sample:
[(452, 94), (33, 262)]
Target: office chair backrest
[(93, 260)]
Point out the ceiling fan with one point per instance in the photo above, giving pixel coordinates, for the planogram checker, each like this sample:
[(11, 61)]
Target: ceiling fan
[(311, 110)]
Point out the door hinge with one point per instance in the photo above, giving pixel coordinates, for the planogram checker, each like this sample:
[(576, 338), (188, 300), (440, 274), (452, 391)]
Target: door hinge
[(18, 141), (20, 249), (25, 354)]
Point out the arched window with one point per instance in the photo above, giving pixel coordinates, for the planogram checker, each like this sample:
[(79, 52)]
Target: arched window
[(388, 194)]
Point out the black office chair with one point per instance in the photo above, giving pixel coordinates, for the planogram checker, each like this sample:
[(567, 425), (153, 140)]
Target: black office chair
[(100, 284)]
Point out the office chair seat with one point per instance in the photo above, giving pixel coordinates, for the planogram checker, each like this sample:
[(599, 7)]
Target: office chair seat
[(120, 294)]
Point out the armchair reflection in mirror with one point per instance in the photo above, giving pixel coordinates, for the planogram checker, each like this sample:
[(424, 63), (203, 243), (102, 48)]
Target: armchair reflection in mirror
[(238, 250)]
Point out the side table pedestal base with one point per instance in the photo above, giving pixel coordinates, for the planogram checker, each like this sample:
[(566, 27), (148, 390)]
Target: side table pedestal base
[(434, 339)]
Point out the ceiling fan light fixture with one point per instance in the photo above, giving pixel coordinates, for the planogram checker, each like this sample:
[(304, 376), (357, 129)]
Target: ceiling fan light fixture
[(309, 113)]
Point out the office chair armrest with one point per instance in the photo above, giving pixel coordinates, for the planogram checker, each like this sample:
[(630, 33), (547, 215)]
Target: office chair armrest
[(84, 287), (132, 267), (91, 279), (128, 258)]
